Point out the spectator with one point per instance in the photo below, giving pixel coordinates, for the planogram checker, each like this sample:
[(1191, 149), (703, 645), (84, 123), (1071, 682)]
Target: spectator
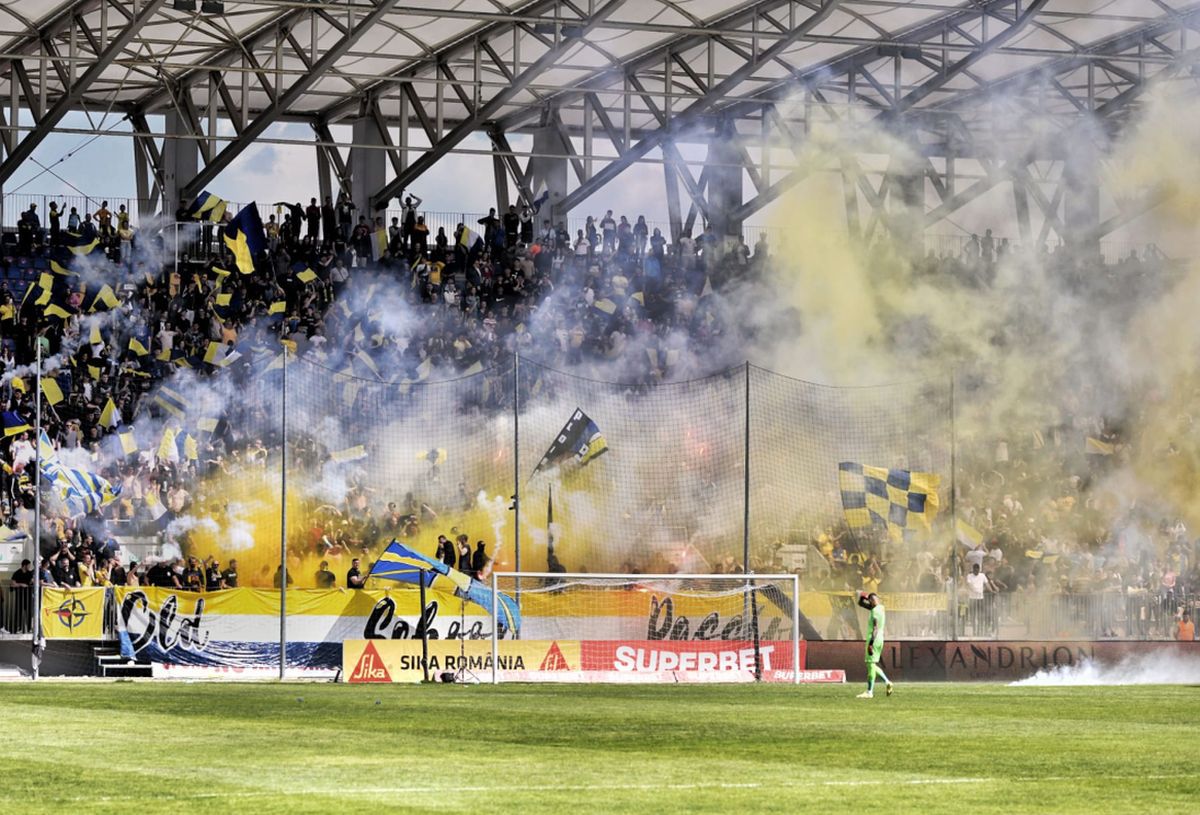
[(354, 577)]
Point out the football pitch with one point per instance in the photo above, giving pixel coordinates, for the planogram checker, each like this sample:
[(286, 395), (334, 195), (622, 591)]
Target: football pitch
[(264, 748)]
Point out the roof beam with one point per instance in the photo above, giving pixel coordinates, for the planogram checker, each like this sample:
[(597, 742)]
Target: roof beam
[(443, 54), (286, 99), (24, 149), (482, 114), (694, 110), (244, 45)]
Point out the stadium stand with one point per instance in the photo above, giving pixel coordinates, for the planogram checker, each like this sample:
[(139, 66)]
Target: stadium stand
[(620, 299)]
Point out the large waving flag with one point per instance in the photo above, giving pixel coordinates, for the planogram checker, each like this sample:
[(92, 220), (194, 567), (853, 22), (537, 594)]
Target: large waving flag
[(245, 237), (83, 492), (404, 565), (895, 500), (207, 207), (579, 437)]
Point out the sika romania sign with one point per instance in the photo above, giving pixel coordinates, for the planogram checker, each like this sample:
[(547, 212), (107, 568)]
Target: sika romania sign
[(572, 661), (400, 660)]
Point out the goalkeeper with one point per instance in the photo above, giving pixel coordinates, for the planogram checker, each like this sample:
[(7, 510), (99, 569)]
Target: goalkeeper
[(870, 601)]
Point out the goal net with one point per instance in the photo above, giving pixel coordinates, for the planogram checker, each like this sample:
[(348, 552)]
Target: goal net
[(649, 628)]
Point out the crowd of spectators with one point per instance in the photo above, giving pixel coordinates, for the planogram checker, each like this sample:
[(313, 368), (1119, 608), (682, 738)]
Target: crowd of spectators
[(511, 281)]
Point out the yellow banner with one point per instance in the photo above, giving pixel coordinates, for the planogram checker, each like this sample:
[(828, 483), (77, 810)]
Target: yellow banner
[(300, 602), (400, 660), (73, 613)]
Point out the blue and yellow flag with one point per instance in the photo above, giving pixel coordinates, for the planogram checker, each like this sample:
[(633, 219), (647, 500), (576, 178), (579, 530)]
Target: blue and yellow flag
[(83, 492), (207, 207), (245, 237), (579, 437), (172, 402), (14, 425), (895, 500), (404, 565)]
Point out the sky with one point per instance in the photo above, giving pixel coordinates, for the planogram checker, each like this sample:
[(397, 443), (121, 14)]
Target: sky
[(102, 167)]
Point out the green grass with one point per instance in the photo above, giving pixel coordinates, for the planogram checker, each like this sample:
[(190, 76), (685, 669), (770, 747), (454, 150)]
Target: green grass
[(156, 747)]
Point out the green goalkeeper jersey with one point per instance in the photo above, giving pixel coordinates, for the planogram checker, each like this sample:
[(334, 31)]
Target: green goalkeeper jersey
[(875, 633)]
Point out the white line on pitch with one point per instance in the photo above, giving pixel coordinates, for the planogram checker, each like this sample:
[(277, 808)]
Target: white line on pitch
[(699, 785)]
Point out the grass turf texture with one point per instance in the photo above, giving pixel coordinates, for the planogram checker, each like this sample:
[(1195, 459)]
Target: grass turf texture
[(155, 747)]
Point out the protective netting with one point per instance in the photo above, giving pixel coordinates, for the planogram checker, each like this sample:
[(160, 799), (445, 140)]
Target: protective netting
[(800, 433), (648, 627), (648, 479), (666, 493), (416, 461)]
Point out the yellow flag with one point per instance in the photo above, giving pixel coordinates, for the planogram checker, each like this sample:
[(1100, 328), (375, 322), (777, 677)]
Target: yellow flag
[(58, 268), (137, 348), (105, 296), (55, 310), (278, 307), (46, 283), (128, 442), (108, 416), (94, 338), (19, 384), (53, 392), (213, 353), (166, 447), (349, 454), (73, 613), (94, 371), (307, 276), (224, 299)]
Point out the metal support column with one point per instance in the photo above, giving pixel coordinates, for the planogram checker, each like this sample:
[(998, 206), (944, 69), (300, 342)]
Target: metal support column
[(367, 165)]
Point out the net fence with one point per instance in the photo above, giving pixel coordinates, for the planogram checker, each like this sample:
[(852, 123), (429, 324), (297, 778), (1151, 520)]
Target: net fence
[(649, 627)]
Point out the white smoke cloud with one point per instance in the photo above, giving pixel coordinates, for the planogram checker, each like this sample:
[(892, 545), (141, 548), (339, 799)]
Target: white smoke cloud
[(1159, 668)]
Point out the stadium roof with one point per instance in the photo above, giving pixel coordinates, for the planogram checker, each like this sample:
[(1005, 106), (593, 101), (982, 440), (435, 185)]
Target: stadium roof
[(639, 74)]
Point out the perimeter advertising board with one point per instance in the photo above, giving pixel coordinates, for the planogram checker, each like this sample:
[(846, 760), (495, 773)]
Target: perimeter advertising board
[(568, 660)]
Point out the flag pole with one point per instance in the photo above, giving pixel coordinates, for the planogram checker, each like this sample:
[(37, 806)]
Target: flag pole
[(35, 657), (283, 529)]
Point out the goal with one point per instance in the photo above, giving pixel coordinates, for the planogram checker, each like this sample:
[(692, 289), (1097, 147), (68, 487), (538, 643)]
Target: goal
[(578, 627)]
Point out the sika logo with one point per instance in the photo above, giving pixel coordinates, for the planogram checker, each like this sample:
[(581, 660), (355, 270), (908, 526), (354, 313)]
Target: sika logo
[(554, 661), (370, 667)]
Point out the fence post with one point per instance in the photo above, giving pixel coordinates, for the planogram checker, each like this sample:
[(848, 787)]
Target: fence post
[(796, 629), (283, 529), (953, 520), (35, 658), (495, 630), (746, 481), (516, 498)]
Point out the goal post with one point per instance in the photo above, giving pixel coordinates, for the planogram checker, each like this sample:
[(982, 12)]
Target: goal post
[(583, 627)]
